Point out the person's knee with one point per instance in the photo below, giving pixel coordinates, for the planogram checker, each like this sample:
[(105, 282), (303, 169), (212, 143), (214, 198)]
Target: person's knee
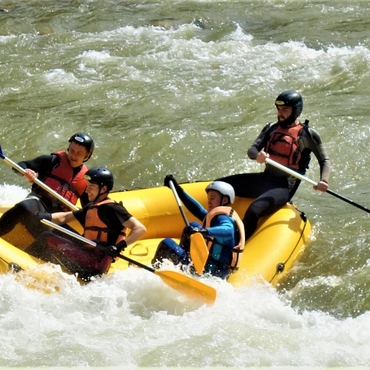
[(30, 205), (161, 252), (170, 250)]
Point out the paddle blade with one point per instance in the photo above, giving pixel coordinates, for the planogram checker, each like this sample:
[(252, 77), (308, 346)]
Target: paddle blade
[(188, 286), (198, 252)]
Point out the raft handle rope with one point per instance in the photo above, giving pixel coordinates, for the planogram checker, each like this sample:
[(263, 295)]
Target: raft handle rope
[(280, 267)]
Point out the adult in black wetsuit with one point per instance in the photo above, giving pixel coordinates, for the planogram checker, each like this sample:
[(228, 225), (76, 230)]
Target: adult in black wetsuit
[(288, 142), (63, 171)]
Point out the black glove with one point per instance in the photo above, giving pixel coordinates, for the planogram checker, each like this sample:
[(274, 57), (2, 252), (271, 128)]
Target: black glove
[(43, 215), (169, 178), (114, 250), (121, 246), (189, 230)]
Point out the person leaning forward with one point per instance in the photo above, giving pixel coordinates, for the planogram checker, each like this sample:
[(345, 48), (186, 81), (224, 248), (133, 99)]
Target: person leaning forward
[(104, 221), (62, 171), (288, 142), (221, 228)]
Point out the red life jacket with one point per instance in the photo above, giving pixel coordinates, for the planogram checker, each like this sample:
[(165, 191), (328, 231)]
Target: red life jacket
[(237, 251), (95, 228), (283, 146), (62, 181)]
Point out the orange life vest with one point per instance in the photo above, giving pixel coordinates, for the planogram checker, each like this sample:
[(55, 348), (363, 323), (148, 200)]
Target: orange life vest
[(62, 181), (283, 146), (237, 250), (95, 228)]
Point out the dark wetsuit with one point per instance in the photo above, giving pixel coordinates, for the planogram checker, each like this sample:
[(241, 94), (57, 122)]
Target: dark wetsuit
[(273, 187), (23, 212)]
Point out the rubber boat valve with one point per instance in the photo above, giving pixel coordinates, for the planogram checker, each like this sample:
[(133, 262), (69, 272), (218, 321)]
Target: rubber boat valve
[(280, 267)]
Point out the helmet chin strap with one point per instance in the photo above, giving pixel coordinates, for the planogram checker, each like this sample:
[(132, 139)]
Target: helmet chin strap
[(224, 197), (99, 194)]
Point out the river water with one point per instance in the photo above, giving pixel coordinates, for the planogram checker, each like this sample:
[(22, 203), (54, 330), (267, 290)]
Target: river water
[(184, 87)]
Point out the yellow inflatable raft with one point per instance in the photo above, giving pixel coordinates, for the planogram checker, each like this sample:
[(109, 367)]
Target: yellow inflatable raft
[(268, 254)]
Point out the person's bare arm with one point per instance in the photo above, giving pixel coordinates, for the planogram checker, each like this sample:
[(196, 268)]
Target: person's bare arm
[(137, 229)]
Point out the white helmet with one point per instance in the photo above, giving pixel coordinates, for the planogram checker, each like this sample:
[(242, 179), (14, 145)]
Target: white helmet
[(223, 188)]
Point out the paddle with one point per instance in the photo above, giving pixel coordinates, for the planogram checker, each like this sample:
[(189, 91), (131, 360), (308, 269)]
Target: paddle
[(198, 249), (314, 183), (176, 280), (38, 182)]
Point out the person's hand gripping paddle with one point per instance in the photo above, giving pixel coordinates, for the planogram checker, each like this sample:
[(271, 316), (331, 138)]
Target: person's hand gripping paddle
[(38, 182), (198, 248)]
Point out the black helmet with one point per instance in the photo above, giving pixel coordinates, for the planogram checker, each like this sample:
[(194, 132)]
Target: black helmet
[(100, 176), (291, 98), (84, 140)]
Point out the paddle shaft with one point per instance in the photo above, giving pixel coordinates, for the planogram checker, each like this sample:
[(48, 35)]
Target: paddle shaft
[(306, 179), (93, 244), (38, 182), (181, 282), (198, 249), (178, 201)]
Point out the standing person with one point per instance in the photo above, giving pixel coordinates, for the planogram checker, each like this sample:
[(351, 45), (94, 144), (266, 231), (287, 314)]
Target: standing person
[(221, 228), (288, 142), (104, 221), (62, 171)]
